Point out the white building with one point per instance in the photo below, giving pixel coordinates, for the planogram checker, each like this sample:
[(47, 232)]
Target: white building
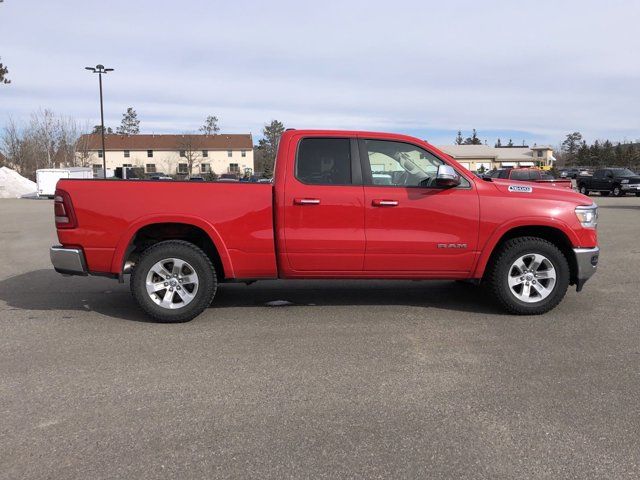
[(473, 157), (171, 154)]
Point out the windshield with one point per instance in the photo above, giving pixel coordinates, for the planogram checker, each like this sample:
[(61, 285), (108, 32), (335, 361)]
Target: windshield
[(623, 172)]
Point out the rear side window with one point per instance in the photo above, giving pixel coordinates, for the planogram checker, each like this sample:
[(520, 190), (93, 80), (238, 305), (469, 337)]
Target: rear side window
[(520, 175), (324, 161)]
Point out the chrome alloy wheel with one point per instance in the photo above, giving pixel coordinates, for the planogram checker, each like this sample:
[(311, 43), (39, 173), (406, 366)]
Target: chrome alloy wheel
[(532, 278), (172, 283)]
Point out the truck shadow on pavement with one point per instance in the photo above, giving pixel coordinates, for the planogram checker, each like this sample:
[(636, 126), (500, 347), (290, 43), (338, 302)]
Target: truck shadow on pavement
[(46, 290)]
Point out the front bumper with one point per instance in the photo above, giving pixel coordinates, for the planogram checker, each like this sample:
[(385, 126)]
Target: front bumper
[(68, 261), (630, 187), (587, 263)]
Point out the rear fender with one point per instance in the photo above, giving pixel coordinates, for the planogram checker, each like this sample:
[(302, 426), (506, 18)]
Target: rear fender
[(117, 264)]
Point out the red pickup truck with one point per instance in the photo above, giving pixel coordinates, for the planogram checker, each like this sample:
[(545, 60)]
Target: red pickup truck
[(342, 204)]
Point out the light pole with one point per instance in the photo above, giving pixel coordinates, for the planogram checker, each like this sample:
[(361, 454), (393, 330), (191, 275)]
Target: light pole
[(99, 69)]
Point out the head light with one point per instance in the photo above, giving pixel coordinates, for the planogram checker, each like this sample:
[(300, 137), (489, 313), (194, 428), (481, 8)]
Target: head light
[(587, 215), (626, 180)]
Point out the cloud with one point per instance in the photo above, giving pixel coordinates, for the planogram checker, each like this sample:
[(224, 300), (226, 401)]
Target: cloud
[(540, 69)]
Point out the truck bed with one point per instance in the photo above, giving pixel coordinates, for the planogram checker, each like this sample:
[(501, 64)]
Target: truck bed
[(237, 216)]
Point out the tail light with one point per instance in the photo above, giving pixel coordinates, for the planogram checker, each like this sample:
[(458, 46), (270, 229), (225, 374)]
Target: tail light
[(63, 210)]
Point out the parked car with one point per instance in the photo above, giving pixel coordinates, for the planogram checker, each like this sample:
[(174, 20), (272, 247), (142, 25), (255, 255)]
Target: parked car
[(196, 179), (530, 175), (158, 176), (616, 181), (324, 216)]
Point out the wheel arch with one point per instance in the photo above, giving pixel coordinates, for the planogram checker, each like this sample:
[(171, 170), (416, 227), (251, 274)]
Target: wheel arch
[(554, 234), (151, 230)]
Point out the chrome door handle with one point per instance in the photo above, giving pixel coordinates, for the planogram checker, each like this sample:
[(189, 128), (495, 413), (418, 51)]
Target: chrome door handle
[(306, 201), (385, 203)]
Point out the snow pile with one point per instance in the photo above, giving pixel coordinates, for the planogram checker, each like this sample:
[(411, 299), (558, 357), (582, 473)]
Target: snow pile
[(14, 185)]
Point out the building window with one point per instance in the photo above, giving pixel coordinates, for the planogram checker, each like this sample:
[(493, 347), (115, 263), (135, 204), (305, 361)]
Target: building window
[(243, 153), (205, 168), (96, 169), (183, 153), (233, 168), (229, 153), (150, 153), (183, 168), (127, 154), (539, 153), (151, 168), (99, 153), (205, 153), (124, 165)]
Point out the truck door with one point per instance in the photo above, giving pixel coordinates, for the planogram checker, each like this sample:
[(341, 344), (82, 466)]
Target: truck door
[(600, 180), (324, 206), (410, 225)]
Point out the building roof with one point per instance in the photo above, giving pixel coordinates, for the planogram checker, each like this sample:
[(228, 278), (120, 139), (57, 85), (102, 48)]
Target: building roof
[(168, 142), (510, 154)]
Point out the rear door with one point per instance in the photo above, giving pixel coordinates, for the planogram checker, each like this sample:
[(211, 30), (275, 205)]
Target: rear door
[(410, 224), (324, 206)]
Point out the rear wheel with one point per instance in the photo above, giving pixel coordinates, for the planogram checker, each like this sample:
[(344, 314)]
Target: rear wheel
[(529, 276), (174, 281)]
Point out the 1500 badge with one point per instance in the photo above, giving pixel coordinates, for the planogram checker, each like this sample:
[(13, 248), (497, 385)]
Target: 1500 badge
[(520, 188)]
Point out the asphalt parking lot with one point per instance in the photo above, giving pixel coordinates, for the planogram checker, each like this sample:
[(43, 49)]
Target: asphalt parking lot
[(354, 380)]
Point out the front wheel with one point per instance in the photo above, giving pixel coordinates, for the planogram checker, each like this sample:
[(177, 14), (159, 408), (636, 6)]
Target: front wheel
[(173, 281), (617, 191), (583, 190), (529, 276)]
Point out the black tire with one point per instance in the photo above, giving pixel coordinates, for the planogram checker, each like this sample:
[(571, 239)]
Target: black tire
[(637, 194), (583, 189), (605, 193), (196, 258), (498, 273), (617, 191)]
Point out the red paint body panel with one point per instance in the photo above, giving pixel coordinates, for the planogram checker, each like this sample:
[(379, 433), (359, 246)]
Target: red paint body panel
[(291, 230), (237, 216)]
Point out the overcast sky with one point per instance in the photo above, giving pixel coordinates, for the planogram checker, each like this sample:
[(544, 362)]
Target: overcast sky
[(532, 70)]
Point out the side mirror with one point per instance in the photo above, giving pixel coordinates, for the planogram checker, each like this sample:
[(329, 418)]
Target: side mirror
[(447, 177)]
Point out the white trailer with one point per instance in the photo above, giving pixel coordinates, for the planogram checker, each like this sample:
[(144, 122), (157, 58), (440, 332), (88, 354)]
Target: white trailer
[(47, 178)]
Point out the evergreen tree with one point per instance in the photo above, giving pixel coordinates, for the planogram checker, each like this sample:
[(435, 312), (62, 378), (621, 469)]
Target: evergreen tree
[(3, 74), (130, 124), (459, 138), (98, 129), (473, 139), (498, 144), (510, 144), (210, 126), (269, 146)]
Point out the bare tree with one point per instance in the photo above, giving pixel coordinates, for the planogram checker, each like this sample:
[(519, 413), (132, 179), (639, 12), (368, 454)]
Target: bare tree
[(190, 147), (46, 141)]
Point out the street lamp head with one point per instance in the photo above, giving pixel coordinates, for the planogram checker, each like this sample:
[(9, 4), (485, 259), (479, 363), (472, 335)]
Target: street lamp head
[(99, 69)]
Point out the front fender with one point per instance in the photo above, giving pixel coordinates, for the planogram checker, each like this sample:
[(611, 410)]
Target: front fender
[(499, 232)]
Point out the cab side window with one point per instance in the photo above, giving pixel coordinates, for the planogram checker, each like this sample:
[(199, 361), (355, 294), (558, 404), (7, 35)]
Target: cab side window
[(324, 161), (402, 164)]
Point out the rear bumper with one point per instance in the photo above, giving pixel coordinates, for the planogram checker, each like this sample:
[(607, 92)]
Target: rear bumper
[(587, 263), (68, 261)]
